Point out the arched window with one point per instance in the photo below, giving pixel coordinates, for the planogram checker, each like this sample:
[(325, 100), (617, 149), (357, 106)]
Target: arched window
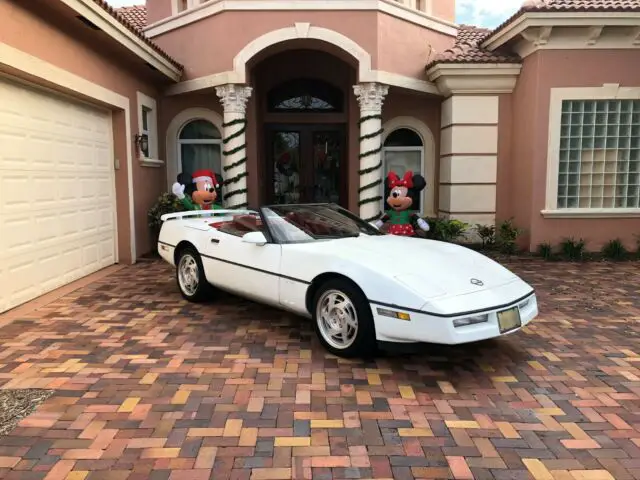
[(403, 151), (199, 144), (305, 95)]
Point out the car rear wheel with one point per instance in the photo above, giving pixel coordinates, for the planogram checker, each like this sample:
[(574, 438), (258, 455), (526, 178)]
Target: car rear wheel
[(190, 276), (343, 321)]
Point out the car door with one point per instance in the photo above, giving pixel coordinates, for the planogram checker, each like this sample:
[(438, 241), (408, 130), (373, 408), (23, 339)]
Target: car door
[(246, 269)]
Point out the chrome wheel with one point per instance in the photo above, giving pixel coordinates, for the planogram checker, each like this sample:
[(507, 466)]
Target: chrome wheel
[(337, 319), (188, 275)]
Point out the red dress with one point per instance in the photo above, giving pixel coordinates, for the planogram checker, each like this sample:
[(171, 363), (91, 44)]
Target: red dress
[(401, 222)]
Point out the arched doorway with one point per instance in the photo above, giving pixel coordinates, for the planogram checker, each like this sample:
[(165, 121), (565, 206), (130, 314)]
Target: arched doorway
[(303, 108)]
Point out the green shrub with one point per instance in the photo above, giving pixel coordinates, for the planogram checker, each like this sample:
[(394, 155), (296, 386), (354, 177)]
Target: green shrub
[(614, 250), (487, 234), (166, 203), (573, 249), (545, 250), (446, 230), (506, 236)]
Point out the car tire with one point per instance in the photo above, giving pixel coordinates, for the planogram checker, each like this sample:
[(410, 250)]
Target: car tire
[(193, 283), (362, 343)]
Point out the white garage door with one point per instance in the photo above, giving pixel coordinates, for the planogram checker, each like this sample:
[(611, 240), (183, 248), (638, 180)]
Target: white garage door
[(57, 192)]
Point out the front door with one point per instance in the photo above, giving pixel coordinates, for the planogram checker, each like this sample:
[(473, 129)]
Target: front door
[(306, 164)]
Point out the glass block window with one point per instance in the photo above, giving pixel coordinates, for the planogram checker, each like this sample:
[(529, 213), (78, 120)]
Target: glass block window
[(599, 165)]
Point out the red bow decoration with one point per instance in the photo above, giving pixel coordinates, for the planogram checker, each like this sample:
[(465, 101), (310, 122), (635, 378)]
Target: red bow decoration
[(395, 181)]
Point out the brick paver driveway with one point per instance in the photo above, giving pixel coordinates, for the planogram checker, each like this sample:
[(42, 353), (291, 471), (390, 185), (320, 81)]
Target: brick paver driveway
[(150, 387)]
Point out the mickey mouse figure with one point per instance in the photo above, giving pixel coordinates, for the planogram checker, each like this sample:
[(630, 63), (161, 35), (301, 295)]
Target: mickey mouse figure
[(201, 193), (401, 197)]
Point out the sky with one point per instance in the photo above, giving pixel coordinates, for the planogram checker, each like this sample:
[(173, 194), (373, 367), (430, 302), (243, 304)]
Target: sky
[(482, 13)]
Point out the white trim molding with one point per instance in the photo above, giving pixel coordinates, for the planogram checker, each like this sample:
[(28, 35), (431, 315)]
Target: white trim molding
[(473, 78), (596, 37), (302, 31), (206, 9), (429, 159), (544, 22), (175, 6), (49, 74), (173, 131), (97, 15), (149, 104), (608, 91), (592, 213)]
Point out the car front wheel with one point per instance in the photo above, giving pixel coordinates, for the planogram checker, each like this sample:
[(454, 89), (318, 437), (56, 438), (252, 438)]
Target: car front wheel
[(190, 276), (343, 321)]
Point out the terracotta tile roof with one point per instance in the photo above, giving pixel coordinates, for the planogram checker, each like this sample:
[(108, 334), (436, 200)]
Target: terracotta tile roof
[(136, 15), (466, 49), (136, 30), (569, 6)]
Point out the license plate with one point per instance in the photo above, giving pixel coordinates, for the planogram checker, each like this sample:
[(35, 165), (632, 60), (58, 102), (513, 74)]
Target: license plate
[(509, 319)]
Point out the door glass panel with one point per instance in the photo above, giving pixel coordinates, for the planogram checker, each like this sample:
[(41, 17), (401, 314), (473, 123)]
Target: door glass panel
[(286, 167), (327, 150), (196, 156)]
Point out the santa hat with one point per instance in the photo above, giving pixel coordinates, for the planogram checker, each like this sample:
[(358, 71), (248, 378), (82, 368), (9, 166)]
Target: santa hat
[(284, 158), (204, 176), (405, 181)]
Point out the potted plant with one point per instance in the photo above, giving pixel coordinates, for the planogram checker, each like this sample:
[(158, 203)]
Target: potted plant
[(166, 203)]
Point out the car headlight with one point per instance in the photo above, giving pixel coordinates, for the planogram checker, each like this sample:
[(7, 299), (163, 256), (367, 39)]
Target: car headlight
[(463, 322), (526, 302)]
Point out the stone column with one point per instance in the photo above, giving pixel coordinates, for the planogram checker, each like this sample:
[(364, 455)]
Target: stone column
[(370, 97), (234, 148), (469, 158)]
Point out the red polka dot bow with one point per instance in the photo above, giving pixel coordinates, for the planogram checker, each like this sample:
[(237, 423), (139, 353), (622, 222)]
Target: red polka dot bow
[(405, 181)]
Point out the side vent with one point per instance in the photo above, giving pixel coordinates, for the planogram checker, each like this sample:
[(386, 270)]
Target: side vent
[(88, 23)]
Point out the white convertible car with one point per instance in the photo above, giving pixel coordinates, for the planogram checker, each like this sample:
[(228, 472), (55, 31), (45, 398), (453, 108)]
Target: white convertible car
[(359, 285)]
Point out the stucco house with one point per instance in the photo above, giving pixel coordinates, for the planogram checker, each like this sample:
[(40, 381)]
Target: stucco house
[(101, 109)]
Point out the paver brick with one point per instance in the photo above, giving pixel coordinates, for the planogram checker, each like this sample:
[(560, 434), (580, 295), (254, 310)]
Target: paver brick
[(148, 386)]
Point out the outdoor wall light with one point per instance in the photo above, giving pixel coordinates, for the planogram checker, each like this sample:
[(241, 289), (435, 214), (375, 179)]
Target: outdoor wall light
[(142, 142)]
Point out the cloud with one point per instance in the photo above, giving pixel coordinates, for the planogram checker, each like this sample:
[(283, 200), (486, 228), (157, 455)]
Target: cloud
[(485, 13)]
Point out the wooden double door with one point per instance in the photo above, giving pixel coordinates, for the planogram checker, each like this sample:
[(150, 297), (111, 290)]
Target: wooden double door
[(306, 163)]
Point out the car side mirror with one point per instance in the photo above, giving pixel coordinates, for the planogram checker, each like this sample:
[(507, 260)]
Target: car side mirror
[(257, 238)]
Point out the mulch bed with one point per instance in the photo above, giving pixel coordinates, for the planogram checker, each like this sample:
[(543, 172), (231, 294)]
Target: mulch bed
[(18, 404)]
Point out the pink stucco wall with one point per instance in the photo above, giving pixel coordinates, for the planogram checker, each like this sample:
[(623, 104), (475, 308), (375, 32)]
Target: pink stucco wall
[(541, 72), (395, 45), (157, 10), (60, 39)]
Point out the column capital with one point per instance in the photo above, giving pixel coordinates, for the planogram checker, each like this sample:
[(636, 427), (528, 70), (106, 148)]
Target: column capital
[(371, 95), (234, 97)]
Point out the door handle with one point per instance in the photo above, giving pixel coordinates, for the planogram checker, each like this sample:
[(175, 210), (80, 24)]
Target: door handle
[(215, 240)]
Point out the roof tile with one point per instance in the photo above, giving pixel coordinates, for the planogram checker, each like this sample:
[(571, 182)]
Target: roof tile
[(135, 15), (132, 27), (466, 49), (569, 6)]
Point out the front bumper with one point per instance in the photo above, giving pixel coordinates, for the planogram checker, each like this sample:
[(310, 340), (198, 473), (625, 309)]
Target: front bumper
[(422, 327)]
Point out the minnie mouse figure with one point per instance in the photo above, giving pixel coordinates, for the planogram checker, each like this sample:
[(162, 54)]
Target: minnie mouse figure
[(201, 192), (401, 197)]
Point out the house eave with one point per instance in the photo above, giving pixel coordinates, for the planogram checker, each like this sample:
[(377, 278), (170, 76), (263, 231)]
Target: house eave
[(122, 35)]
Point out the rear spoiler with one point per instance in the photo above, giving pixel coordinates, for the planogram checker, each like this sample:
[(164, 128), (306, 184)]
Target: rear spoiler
[(205, 214)]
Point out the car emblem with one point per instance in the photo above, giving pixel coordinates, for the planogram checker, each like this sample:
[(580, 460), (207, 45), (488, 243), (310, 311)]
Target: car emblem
[(475, 281)]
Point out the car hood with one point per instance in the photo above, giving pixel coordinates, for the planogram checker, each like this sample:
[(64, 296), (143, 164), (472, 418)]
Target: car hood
[(429, 268)]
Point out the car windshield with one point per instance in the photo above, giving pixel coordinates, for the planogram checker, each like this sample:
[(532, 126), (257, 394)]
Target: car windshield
[(308, 223)]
